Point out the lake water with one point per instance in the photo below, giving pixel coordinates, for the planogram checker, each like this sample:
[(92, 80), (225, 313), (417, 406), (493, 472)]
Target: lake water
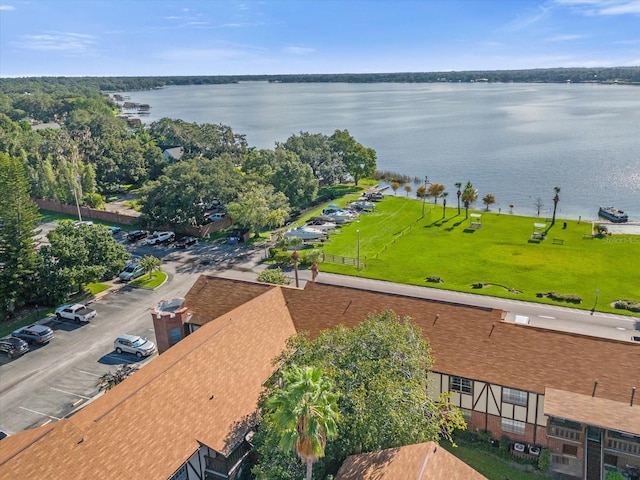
[(515, 141)]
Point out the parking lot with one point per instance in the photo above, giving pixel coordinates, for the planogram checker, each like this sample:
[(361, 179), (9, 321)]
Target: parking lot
[(50, 381)]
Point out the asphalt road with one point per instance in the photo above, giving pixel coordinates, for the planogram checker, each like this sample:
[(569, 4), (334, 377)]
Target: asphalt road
[(51, 381)]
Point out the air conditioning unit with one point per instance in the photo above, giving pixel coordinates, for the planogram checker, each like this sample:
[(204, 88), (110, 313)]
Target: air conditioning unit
[(534, 450), (518, 447)]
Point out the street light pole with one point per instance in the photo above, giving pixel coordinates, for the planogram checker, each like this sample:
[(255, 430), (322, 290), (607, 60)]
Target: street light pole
[(424, 194), (358, 255), (75, 194)]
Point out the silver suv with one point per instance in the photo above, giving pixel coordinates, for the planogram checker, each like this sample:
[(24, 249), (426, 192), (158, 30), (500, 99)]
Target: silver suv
[(139, 346), (35, 333)]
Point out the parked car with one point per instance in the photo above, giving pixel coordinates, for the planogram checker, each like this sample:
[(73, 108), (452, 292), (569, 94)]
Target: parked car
[(161, 237), (114, 230), (135, 235), (139, 346), (186, 242), (13, 347), (79, 223), (35, 333), (78, 312), (133, 271), (217, 216)]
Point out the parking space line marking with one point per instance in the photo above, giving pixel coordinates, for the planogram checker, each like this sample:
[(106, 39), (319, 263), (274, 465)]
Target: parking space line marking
[(70, 393), (90, 373), (39, 413)]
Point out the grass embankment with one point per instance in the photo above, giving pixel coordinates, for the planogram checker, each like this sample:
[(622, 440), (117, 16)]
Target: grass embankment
[(399, 245)]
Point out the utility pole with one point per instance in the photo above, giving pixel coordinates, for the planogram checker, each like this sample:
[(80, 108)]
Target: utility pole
[(424, 195)]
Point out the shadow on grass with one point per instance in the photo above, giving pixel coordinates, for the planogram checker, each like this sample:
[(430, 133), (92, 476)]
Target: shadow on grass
[(533, 240), (470, 230)]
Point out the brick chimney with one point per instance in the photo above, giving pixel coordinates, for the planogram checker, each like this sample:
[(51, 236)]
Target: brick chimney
[(169, 318)]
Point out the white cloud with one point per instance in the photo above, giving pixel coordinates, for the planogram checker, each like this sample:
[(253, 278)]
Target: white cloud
[(603, 7), (298, 50), (7, 8), (57, 41), (528, 19), (565, 38)]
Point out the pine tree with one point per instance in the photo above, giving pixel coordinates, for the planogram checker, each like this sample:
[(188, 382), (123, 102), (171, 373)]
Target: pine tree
[(18, 220)]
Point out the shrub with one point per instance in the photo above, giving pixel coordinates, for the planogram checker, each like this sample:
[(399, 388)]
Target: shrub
[(505, 444), (434, 279), (614, 476), (570, 298), (627, 305), (282, 257), (544, 460), (484, 437), (309, 257), (274, 276)]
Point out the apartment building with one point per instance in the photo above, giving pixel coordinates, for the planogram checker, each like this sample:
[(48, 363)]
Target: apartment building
[(188, 414)]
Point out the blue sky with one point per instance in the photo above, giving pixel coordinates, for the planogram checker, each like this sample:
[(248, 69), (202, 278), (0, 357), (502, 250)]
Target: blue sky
[(227, 37)]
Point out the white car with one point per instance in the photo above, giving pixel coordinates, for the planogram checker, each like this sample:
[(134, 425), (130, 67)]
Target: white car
[(139, 346), (160, 237)]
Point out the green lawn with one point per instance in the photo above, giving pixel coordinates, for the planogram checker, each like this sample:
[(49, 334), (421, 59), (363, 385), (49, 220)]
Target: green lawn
[(96, 288), (488, 465), (397, 245), (154, 281)]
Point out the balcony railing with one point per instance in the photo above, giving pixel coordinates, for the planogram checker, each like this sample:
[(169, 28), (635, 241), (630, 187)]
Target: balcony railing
[(566, 433)]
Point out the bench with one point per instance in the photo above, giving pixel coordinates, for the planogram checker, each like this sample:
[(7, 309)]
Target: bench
[(558, 241)]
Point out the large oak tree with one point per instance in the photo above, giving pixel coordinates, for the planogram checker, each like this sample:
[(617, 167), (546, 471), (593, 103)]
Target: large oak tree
[(379, 372)]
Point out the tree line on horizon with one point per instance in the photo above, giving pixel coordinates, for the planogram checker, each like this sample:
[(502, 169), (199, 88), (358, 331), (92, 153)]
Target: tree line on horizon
[(95, 85)]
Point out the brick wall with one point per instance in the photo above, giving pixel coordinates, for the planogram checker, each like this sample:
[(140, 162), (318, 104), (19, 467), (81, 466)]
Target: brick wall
[(131, 218), (164, 322), (88, 213), (493, 424)]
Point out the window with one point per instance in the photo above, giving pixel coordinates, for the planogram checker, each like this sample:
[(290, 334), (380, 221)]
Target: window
[(516, 397), (466, 414), (570, 450), (181, 474), (175, 335), (513, 426), (460, 384)]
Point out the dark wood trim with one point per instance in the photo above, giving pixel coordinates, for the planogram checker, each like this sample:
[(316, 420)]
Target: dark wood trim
[(496, 403), (475, 402)]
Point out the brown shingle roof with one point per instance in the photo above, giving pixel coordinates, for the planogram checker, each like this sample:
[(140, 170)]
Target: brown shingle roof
[(422, 461), (200, 387), (151, 423), (209, 298), (473, 342), (621, 416)]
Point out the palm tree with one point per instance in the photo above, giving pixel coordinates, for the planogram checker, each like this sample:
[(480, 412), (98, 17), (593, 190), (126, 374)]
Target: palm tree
[(149, 263), (556, 199), (395, 186), (305, 413), (444, 203), (458, 186), (407, 188), (469, 195)]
